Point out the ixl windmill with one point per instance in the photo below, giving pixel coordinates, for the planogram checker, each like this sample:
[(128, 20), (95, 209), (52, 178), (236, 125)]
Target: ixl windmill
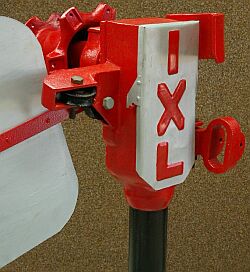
[(139, 78)]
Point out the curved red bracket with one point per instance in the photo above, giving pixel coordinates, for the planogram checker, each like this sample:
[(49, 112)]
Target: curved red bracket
[(31, 127), (211, 33), (56, 34), (211, 140)]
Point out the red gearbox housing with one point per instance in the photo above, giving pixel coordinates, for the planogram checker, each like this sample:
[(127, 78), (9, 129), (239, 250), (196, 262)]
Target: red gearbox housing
[(95, 64)]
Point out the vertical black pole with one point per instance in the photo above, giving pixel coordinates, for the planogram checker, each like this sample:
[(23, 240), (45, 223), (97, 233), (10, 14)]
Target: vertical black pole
[(147, 241)]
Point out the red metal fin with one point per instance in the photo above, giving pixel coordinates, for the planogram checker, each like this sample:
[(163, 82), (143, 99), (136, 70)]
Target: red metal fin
[(211, 35)]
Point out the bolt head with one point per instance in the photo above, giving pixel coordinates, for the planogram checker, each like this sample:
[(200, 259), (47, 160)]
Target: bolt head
[(77, 80), (108, 103)]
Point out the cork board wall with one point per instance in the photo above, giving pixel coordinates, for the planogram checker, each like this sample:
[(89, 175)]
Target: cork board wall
[(208, 220)]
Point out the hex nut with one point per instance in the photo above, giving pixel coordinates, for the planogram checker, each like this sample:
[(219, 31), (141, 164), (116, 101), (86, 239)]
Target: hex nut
[(108, 103), (77, 80)]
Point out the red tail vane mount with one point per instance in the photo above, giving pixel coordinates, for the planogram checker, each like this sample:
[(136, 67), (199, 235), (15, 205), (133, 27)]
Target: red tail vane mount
[(221, 134), (211, 33)]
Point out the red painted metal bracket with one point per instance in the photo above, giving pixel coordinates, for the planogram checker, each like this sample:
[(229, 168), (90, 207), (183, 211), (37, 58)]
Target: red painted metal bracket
[(209, 143), (31, 127), (211, 34), (56, 34), (104, 77)]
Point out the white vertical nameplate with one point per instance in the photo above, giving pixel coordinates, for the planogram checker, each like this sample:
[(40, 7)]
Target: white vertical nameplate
[(153, 71)]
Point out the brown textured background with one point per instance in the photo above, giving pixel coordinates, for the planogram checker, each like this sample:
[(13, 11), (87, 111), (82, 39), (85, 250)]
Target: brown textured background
[(208, 222)]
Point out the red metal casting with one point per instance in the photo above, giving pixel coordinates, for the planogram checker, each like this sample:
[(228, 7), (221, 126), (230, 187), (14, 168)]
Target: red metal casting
[(112, 39), (56, 37), (211, 39), (222, 132), (57, 34), (104, 77), (119, 131), (91, 53), (104, 54)]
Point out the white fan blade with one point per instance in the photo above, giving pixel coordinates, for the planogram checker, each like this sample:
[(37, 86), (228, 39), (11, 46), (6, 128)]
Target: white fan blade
[(38, 183)]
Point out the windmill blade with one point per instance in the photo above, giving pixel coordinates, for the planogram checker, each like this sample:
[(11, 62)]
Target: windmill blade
[(38, 183)]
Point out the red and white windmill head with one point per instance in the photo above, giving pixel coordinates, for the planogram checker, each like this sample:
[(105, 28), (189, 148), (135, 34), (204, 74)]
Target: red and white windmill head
[(139, 77)]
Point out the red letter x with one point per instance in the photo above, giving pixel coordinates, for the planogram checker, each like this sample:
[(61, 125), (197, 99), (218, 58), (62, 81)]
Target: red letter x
[(170, 103)]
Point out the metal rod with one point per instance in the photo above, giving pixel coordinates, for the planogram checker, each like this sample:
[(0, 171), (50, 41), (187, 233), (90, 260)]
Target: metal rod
[(147, 241)]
